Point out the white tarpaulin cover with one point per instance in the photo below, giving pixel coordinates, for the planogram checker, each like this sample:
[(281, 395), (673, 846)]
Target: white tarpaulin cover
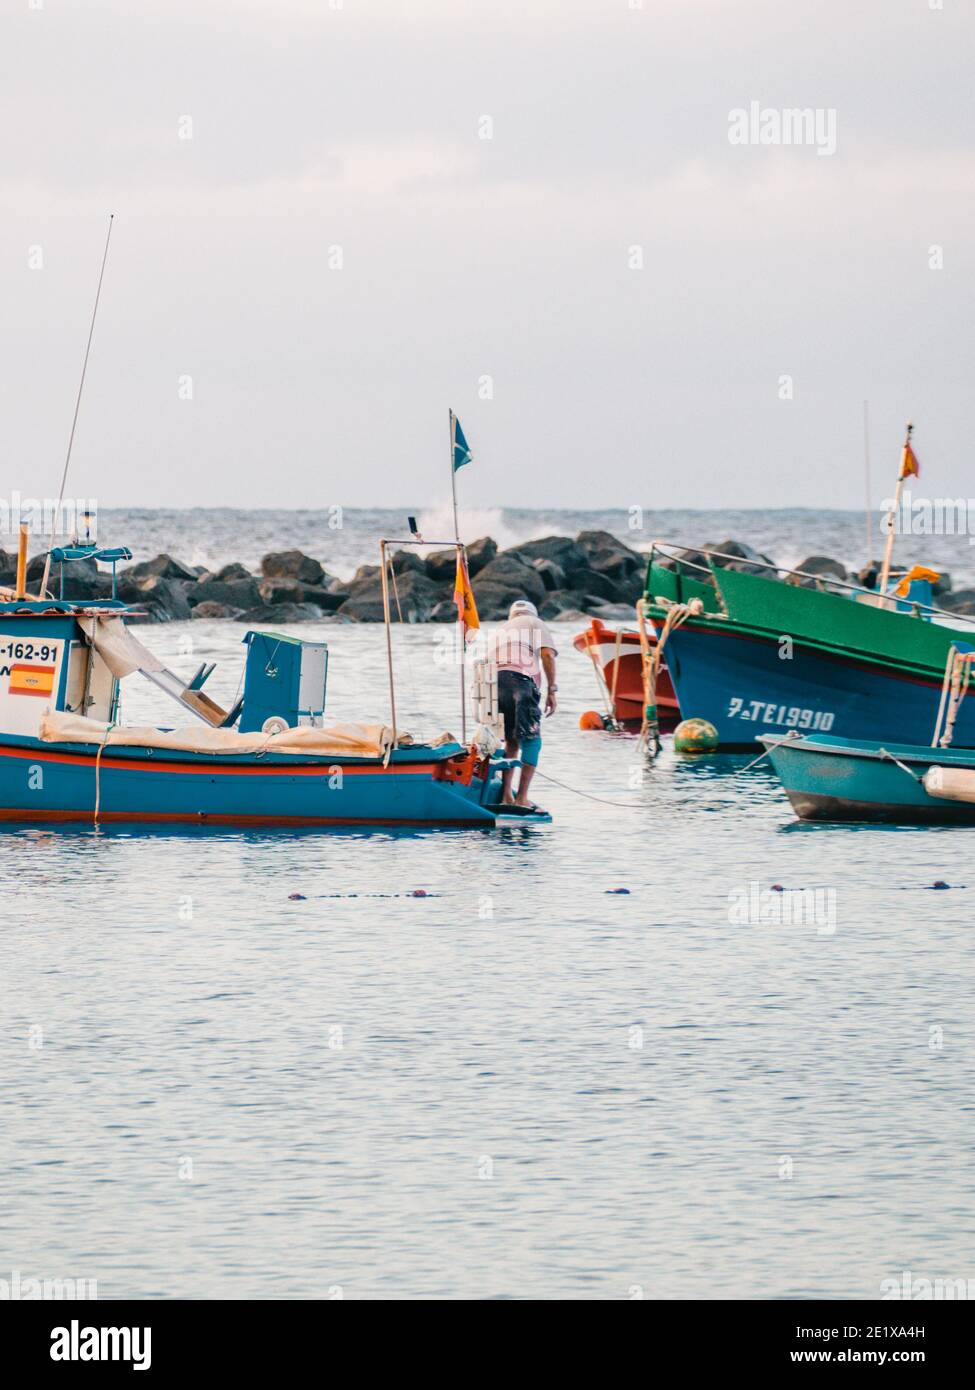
[(121, 652), (348, 740)]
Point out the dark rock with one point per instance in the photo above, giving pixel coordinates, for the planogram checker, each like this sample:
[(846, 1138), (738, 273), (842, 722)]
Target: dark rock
[(743, 558), (562, 550), (326, 599), (480, 553), (235, 570), (606, 554), (823, 568), (942, 585), (291, 591), (164, 566), (961, 601), (441, 566), (166, 597), (366, 608), (591, 582), (561, 602), (822, 564), (292, 564), (495, 596), (235, 593), (553, 575), (512, 571), (282, 613), (404, 561), (280, 590), (209, 609), (418, 596)]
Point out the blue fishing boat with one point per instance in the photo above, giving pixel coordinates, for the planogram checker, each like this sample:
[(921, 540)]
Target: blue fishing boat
[(269, 761), (754, 655)]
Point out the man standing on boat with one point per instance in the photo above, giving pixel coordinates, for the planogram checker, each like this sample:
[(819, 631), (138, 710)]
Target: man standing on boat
[(522, 649)]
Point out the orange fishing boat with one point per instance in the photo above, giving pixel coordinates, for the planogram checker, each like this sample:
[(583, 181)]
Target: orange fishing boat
[(615, 655)]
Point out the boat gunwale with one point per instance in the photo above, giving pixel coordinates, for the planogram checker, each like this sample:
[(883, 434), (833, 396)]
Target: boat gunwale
[(416, 757), (873, 750), (713, 571), (722, 625)]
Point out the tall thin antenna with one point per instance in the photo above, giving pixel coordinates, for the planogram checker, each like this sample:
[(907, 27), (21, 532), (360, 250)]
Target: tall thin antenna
[(77, 407), (866, 479)]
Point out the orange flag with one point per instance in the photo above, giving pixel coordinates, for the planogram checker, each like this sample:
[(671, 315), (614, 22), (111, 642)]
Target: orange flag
[(464, 596), (909, 463)]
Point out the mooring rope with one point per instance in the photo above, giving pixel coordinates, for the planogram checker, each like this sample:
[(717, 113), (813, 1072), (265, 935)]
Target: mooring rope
[(98, 770), (677, 613), (792, 734), (621, 805)]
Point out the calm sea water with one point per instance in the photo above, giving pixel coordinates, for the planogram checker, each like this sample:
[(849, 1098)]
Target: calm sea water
[(521, 1085)]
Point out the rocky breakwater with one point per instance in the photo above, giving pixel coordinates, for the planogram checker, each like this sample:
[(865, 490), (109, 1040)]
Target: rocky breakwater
[(594, 574)]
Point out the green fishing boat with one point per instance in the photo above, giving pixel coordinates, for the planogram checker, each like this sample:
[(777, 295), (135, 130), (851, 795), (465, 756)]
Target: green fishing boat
[(754, 655)]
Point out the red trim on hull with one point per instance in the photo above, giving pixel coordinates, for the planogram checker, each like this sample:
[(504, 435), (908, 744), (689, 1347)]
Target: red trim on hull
[(206, 769), (203, 818)]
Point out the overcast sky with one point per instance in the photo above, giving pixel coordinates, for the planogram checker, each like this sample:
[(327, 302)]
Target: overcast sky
[(359, 127)]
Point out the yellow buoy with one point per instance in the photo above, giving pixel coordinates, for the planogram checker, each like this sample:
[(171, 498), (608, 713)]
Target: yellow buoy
[(695, 736)]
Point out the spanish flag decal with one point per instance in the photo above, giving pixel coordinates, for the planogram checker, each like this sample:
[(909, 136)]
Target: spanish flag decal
[(32, 680)]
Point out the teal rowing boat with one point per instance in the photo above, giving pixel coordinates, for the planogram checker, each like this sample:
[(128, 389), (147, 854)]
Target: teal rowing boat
[(840, 779)]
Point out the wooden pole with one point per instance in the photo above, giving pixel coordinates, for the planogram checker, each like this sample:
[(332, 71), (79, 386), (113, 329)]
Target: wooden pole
[(389, 640), (21, 588), (891, 516)]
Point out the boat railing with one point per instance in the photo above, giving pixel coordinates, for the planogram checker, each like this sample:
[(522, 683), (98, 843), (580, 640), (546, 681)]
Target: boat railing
[(820, 579)]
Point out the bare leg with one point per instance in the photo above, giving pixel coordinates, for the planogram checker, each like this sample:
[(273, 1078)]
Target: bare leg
[(510, 751), (524, 782)]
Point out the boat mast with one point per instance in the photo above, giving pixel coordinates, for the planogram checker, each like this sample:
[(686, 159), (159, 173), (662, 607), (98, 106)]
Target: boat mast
[(77, 406), (461, 630)]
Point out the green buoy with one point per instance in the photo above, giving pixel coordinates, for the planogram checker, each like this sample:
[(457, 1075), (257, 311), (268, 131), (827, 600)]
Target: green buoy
[(695, 736)]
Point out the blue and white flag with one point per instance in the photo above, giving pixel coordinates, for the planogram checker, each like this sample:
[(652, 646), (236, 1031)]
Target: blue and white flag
[(460, 449)]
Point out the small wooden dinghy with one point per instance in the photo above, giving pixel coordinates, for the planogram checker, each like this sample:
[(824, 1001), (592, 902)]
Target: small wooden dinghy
[(840, 779), (617, 660)]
